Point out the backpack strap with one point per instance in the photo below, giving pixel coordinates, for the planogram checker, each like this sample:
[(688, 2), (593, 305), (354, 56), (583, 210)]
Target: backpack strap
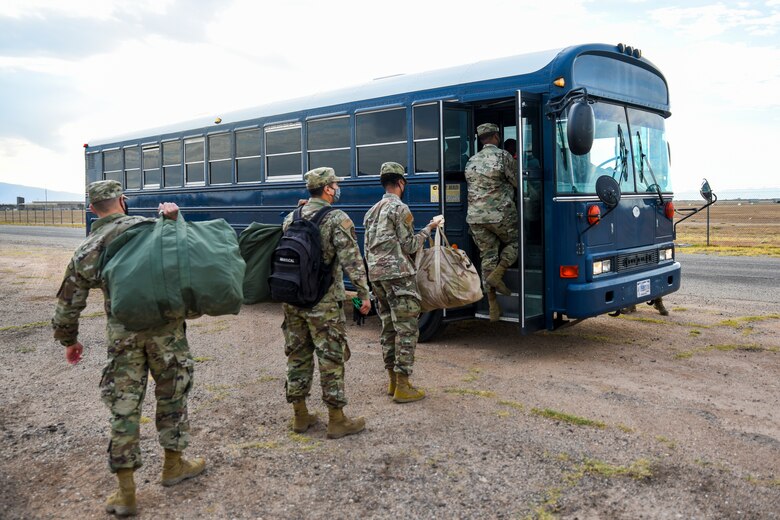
[(317, 218), (297, 214)]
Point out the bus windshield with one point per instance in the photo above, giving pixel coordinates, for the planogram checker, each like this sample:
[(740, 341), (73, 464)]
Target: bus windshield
[(620, 135)]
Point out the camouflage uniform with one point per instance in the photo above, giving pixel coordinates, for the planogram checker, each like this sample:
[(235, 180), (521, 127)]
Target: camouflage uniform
[(322, 329), (492, 214), (389, 241), (131, 355)]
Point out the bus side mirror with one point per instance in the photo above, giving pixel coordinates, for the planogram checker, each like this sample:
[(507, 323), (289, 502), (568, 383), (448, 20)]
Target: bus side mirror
[(608, 190), (706, 191), (580, 128)]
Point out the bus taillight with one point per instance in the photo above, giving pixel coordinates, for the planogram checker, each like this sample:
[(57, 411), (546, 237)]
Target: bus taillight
[(570, 271), (669, 210), (594, 214)]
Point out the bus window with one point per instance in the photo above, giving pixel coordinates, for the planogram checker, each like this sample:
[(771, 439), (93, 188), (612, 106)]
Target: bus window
[(651, 141), (248, 160), (151, 163), (194, 161), (283, 151), (132, 168), (327, 142), (381, 137), (172, 172), (426, 138), (112, 165), (610, 154), (532, 147), (457, 149), (220, 164)]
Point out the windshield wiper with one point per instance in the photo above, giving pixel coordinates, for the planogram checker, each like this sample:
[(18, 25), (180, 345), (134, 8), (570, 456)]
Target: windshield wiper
[(623, 155), (642, 159)]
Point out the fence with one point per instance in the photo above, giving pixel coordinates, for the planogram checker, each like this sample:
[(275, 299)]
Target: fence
[(43, 217), (732, 223)]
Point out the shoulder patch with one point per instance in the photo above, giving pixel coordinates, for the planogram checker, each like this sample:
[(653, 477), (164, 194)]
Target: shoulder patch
[(346, 224), (409, 218)]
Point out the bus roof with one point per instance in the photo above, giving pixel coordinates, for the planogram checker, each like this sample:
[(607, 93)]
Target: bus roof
[(378, 88)]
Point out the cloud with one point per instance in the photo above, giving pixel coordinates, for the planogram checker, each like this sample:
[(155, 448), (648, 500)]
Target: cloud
[(708, 21)]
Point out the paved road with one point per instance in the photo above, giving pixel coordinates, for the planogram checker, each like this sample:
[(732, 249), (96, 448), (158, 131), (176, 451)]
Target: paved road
[(704, 277)]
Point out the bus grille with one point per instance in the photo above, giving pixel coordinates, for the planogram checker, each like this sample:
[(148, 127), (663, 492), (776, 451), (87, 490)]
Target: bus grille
[(631, 261)]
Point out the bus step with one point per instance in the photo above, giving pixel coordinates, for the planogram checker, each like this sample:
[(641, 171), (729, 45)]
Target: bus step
[(510, 318)]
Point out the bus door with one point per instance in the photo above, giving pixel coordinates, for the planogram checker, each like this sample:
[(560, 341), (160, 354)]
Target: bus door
[(530, 260), (456, 148)]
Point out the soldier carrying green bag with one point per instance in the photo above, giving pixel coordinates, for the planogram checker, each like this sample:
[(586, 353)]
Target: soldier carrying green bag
[(163, 351)]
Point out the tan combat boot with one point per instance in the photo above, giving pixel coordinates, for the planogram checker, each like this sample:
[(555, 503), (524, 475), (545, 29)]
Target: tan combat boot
[(339, 425), (659, 306), (122, 502), (404, 391), (495, 310), (391, 386), (176, 468), (303, 419), (496, 280)]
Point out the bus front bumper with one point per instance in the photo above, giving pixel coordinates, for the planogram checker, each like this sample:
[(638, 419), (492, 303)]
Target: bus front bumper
[(585, 300)]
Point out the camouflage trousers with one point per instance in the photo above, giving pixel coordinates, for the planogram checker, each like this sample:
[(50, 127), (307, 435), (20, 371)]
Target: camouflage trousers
[(321, 329), (131, 356), (398, 302), (489, 239)]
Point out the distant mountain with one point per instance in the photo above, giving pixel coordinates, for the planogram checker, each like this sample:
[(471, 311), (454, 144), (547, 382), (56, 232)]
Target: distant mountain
[(9, 192)]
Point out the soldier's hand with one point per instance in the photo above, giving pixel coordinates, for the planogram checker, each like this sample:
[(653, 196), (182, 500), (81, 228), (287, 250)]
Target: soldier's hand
[(365, 308), (303, 202), (437, 221), (168, 210), (358, 318), (73, 353)]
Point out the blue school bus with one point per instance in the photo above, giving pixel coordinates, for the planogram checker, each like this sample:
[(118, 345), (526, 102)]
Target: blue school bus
[(594, 197)]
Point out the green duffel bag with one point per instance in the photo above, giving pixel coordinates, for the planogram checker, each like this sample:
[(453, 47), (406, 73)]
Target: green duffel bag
[(173, 269), (257, 244)]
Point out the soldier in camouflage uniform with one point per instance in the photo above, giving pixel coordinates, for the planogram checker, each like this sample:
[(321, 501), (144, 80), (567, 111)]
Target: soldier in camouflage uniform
[(389, 241), (322, 329), (492, 215), (131, 356)]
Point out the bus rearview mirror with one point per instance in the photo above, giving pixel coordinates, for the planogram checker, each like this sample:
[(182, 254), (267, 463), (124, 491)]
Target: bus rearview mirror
[(706, 191), (580, 128), (608, 190)]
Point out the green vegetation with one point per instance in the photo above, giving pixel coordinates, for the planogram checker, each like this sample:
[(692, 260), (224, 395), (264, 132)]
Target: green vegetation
[(572, 419), (469, 391), (513, 404), (202, 359), (666, 441)]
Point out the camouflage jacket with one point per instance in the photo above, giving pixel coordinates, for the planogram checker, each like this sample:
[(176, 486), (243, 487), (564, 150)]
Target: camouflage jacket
[(390, 239), (339, 246), (492, 179), (83, 274)]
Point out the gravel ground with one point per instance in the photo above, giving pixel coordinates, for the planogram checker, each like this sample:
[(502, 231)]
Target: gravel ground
[(680, 417)]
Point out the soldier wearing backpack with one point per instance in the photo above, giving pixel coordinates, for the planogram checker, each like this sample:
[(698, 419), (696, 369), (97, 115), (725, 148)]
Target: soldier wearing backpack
[(321, 327)]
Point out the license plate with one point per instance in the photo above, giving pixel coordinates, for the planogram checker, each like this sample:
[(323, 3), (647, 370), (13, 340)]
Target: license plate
[(642, 288)]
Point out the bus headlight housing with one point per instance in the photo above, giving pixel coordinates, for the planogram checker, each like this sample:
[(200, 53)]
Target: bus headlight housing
[(665, 254), (602, 266)]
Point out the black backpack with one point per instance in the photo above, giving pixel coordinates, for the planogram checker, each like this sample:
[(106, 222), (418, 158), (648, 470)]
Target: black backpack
[(298, 274)]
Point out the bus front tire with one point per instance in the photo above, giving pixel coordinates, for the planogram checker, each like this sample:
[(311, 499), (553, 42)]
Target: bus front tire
[(430, 324)]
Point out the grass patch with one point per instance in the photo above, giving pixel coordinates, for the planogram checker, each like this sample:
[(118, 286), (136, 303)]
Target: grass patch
[(202, 359), (644, 320), (469, 391), (25, 326), (694, 332), (625, 429), (749, 347), (564, 417), (679, 309), (637, 470), (503, 414), (666, 441), (686, 354), (267, 379), (513, 404), (24, 350), (145, 419), (738, 322), (772, 251)]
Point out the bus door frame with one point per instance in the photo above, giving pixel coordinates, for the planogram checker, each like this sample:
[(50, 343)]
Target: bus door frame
[(527, 325)]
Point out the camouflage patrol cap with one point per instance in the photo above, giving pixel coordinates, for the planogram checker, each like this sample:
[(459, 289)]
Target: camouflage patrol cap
[(487, 128), (104, 190), (389, 169), (319, 177)]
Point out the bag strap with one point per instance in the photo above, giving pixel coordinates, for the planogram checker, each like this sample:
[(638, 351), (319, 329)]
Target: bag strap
[(317, 218)]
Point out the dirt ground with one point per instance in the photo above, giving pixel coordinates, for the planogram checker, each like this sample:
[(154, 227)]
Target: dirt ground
[(640, 416)]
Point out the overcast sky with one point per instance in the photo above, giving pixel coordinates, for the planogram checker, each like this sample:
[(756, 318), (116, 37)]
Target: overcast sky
[(78, 70)]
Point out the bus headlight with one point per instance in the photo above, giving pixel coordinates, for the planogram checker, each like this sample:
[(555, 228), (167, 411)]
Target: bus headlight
[(665, 254), (602, 266)]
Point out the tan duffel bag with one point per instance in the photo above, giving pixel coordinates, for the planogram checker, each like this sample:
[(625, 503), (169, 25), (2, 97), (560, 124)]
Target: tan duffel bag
[(446, 277)]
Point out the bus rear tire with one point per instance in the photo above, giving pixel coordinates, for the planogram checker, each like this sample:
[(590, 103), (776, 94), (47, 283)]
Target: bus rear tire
[(431, 324)]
